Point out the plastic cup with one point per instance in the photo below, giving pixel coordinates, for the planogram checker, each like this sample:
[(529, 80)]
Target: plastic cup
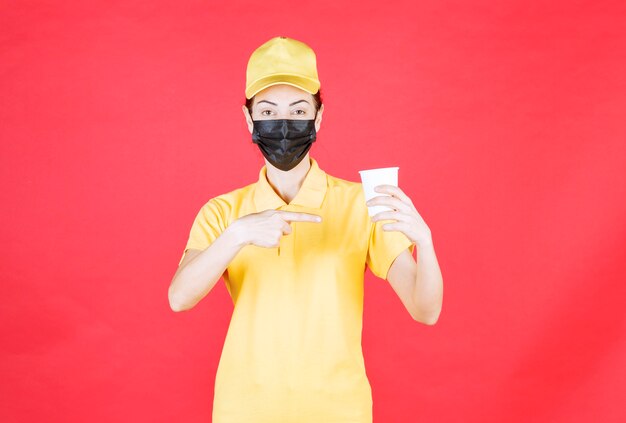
[(370, 178)]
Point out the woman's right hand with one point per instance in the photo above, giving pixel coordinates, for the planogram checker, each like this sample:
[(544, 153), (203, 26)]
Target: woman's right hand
[(264, 229)]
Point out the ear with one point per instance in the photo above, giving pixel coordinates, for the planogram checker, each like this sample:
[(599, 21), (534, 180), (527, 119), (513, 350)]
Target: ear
[(247, 117), (318, 119)]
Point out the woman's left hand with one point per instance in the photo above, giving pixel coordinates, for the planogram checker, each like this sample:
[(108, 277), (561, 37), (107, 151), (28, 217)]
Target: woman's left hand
[(409, 221)]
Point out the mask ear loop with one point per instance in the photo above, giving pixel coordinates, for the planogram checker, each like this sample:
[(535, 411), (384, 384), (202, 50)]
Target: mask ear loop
[(314, 119)]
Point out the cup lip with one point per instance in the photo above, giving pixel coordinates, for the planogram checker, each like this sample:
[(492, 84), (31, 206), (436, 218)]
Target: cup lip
[(379, 168)]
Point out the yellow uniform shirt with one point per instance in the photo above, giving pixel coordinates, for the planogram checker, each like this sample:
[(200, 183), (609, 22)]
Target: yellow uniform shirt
[(293, 352)]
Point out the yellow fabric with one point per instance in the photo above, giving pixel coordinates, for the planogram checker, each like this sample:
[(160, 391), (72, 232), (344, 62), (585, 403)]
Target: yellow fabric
[(293, 352)]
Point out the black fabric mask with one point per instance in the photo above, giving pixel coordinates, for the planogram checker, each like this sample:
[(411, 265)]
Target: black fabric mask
[(284, 142)]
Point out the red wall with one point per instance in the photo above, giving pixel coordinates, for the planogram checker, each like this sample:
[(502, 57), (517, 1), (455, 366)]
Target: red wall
[(119, 119)]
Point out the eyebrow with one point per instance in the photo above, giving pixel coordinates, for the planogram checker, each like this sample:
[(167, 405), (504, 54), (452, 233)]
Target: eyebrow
[(295, 102)]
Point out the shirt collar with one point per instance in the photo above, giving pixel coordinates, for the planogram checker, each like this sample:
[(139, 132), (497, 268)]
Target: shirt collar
[(311, 193)]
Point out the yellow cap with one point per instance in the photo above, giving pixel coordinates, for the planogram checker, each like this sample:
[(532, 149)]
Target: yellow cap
[(282, 60)]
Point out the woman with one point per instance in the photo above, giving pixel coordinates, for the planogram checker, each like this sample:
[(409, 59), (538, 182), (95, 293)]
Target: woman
[(292, 249)]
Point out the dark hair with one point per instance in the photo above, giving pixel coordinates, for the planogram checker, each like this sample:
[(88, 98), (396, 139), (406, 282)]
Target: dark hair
[(317, 97)]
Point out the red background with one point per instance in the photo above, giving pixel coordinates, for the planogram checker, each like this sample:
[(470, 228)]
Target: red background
[(119, 119)]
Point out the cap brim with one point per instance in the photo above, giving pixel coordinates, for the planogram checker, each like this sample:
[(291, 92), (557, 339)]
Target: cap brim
[(304, 83)]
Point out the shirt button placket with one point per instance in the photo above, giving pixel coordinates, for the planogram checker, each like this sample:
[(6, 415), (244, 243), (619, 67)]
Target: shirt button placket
[(287, 240)]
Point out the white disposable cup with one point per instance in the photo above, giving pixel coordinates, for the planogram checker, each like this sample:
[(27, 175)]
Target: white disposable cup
[(370, 178)]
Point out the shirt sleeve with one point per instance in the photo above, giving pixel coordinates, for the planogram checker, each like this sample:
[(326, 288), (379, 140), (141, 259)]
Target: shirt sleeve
[(208, 224), (384, 247)]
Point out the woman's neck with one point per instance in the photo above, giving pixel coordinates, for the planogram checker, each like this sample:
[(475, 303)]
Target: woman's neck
[(287, 184)]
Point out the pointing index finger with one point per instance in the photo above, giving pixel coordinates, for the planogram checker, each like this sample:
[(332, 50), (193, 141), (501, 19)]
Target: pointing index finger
[(299, 217)]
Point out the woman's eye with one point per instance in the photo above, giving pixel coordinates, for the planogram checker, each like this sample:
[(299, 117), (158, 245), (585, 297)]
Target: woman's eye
[(303, 112), (265, 111)]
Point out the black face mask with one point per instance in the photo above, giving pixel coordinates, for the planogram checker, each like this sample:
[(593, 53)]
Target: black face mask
[(284, 142)]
